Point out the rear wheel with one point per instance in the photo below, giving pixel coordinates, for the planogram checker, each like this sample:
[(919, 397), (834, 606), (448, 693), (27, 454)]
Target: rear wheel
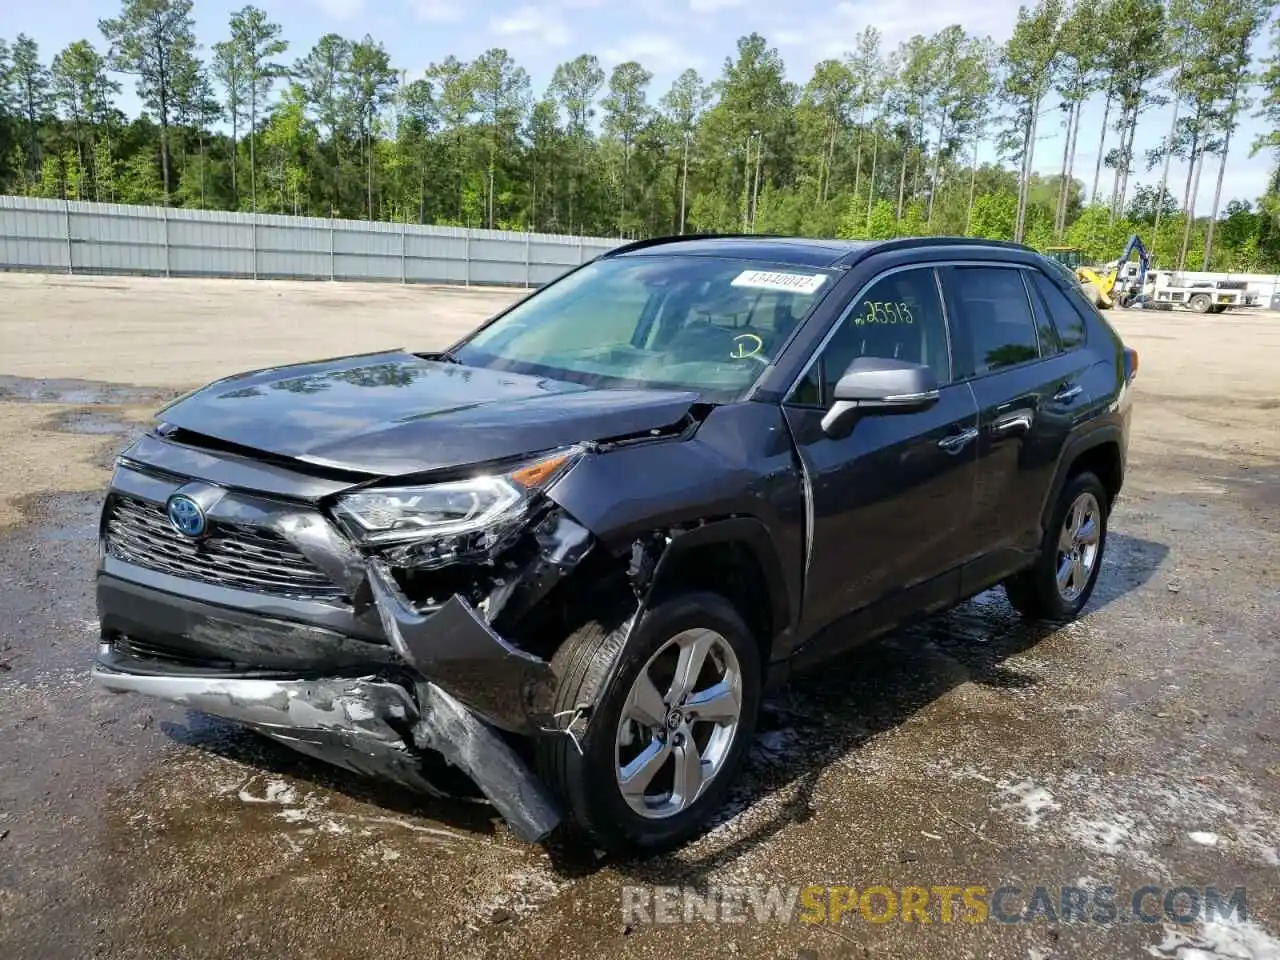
[(669, 733), (1200, 303), (1060, 583)]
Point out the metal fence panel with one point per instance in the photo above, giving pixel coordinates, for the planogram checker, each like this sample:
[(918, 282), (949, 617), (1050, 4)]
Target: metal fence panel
[(34, 236), (81, 237)]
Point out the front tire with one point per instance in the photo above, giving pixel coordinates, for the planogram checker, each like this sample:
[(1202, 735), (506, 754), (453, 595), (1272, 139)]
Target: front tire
[(669, 733), (1059, 584), (1200, 303)]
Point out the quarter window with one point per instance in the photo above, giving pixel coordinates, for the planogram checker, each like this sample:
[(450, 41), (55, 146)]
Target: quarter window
[(899, 317), (993, 305), (1067, 319), (1048, 335)]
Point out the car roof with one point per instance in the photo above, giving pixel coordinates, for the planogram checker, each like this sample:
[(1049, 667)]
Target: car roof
[(795, 251)]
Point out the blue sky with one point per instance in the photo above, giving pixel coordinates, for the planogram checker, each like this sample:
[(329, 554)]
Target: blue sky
[(664, 35)]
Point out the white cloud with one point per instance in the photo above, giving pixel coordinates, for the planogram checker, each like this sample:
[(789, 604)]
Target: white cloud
[(434, 11), (541, 25), (341, 9), (656, 52)]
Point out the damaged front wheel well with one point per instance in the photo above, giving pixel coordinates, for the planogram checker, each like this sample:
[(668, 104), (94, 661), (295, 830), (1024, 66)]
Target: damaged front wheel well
[(730, 569)]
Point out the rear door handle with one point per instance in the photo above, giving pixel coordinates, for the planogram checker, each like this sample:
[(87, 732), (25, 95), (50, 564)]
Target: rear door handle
[(1068, 392), (958, 441)]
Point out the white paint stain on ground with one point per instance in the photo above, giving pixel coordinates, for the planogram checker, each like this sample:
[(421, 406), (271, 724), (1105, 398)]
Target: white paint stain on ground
[(309, 815), (1032, 799), (1221, 939), (521, 892), (1112, 836), (1159, 807), (276, 791), (1204, 838)]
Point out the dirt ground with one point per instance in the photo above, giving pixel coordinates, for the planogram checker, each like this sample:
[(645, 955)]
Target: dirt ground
[(1138, 746)]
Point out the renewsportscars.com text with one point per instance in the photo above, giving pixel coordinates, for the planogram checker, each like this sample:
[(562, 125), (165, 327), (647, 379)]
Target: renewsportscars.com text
[(972, 903)]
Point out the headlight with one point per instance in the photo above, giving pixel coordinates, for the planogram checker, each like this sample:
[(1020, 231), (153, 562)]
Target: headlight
[(456, 508)]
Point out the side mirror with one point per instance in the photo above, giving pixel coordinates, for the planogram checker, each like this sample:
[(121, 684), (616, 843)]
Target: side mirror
[(879, 385)]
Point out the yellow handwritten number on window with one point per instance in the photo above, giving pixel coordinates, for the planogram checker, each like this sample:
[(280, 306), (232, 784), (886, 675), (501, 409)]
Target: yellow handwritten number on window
[(746, 345), (885, 312)]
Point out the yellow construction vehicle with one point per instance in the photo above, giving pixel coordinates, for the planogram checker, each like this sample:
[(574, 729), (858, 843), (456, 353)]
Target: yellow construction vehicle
[(1100, 284)]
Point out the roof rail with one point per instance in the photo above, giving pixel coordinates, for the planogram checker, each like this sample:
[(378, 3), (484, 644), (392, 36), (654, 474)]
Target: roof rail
[(906, 243), (678, 238)]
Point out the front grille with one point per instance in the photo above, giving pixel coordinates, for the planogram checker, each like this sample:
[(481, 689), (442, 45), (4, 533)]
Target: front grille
[(233, 555)]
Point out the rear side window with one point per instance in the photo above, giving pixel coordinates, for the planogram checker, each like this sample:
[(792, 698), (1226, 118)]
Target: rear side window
[(1067, 319), (1000, 326)]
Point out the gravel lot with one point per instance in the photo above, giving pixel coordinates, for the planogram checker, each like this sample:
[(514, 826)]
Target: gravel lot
[(1140, 745)]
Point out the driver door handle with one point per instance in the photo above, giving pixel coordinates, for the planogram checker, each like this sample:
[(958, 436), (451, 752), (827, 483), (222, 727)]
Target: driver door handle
[(958, 441)]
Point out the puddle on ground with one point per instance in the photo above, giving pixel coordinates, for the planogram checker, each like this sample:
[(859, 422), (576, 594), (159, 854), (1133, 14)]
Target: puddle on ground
[(86, 392), (93, 422)]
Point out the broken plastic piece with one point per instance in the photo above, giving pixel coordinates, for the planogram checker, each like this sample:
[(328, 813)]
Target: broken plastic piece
[(350, 722), (448, 728), (456, 648)]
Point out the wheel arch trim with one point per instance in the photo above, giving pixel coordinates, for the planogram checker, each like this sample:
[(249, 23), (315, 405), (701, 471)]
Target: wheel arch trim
[(1074, 449), (749, 533)]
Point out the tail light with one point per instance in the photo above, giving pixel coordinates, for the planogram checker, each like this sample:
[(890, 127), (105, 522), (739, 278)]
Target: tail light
[(1130, 364)]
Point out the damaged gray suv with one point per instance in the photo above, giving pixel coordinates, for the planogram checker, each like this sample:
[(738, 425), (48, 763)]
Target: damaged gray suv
[(558, 564)]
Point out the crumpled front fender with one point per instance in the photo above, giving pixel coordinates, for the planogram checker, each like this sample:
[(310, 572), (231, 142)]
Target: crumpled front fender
[(456, 649)]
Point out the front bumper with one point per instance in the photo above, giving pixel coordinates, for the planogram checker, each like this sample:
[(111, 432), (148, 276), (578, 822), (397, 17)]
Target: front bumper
[(363, 679), (365, 725)]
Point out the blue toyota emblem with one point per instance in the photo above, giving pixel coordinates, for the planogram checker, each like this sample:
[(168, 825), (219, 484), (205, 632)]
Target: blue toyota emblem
[(186, 515)]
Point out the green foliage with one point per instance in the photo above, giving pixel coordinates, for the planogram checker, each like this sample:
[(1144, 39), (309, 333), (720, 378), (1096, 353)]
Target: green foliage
[(154, 40), (140, 181), (994, 215)]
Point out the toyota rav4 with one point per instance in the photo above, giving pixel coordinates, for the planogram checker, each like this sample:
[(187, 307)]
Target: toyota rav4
[(557, 564)]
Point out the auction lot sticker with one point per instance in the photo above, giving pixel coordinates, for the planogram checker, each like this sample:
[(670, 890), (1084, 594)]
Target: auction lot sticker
[(767, 280)]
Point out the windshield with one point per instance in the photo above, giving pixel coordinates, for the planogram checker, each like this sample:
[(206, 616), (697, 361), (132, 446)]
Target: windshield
[(702, 323)]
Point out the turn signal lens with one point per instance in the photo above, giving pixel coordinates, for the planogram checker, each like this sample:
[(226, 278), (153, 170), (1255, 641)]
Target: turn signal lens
[(1130, 363), (536, 474)]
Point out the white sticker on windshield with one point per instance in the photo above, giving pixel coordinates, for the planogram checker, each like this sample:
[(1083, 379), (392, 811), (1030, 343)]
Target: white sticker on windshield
[(805, 283)]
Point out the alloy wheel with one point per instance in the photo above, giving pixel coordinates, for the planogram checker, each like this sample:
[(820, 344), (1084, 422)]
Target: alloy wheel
[(1078, 546), (678, 723)]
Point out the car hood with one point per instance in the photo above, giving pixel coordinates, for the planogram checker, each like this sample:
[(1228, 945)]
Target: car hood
[(396, 413)]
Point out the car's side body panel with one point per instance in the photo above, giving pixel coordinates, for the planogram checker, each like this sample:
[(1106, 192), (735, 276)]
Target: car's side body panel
[(891, 510), (740, 463), (1027, 411), (1033, 425)]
